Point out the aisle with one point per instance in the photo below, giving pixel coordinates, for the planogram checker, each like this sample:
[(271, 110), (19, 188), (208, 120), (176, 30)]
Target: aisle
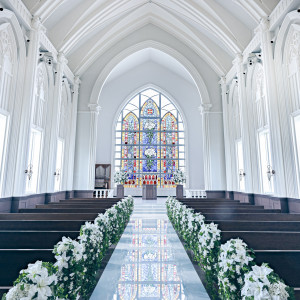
[(149, 262)]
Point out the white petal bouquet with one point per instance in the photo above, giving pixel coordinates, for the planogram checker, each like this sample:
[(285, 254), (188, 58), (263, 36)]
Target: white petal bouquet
[(230, 270), (150, 152), (77, 261), (120, 177), (263, 283), (38, 282), (235, 260), (179, 177)]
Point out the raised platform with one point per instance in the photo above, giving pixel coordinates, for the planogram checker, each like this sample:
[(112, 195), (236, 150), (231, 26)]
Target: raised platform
[(161, 192)]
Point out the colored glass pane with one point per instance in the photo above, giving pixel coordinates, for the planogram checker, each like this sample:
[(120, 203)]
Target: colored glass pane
[(147, 139)]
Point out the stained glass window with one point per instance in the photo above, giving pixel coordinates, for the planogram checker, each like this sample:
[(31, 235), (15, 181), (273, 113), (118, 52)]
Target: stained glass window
[(150, 139)]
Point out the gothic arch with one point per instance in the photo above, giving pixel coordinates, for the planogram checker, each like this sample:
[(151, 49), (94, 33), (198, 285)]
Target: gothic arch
[(202, 90)]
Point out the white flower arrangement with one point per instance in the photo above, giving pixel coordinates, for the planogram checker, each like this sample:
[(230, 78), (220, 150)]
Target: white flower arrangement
[(262, 283), (73, 276), (228, 265), (36, 282), (179, 177), (235, 260), (120, 177), (149, 125), (150, 152)]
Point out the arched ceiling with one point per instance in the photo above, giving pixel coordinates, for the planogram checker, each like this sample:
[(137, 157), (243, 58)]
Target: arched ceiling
[(215, 29)]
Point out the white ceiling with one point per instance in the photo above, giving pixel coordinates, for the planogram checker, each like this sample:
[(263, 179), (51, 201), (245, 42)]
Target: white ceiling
[(216, 29), (153, 56)]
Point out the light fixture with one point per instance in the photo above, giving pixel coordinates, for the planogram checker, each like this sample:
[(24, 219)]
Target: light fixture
[(29, 171), (270, 172), (242, 174), (57, 174)]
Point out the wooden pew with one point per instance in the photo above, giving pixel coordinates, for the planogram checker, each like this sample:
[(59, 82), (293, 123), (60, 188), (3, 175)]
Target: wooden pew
[(251, 216), (236, 210), (50, 216), (35, 225), (262, 240), (70, 205), (13, 261), (33, 239), (286, 264), (258, 225)]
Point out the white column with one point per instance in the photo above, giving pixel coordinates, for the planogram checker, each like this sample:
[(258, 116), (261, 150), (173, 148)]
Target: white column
[(228, 157), (204, 110), (94, 112), (70, 170), (61, 63), (25, 123), (272, 98), (238, 62)]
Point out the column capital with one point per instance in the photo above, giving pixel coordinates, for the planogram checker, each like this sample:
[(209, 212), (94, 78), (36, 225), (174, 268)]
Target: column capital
[(77, 80), (94, 107), (37, 25), (205, 108), (238, 59), (264, 24), (222, 81), (61, 58)]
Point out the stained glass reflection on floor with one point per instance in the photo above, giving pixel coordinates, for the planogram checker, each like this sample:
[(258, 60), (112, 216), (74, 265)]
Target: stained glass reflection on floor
[(149, 261)]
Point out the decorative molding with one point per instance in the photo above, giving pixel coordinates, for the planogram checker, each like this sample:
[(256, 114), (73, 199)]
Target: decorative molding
[(205, 108), (21, 10), (280, 10), (94, 108), (254, 44), (203, 92)]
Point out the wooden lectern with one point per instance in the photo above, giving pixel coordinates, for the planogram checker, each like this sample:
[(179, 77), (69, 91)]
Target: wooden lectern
[(149, 187)]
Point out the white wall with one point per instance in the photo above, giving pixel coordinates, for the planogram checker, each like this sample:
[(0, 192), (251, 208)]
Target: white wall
[(183, 93)]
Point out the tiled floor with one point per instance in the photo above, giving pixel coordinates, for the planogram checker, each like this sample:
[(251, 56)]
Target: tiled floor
[(149, 261)]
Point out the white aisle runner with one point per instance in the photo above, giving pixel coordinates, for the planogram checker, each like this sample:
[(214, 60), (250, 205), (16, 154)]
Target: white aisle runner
[(149, 261)]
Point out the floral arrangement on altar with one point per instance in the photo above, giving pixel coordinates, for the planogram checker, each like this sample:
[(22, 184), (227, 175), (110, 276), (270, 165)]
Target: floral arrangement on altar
[(179, 177), (150, 153), (120, 177), (230, 268), (73, 276)]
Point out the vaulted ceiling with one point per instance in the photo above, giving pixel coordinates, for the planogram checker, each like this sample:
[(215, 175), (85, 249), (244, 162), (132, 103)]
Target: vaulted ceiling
[(215, 29)]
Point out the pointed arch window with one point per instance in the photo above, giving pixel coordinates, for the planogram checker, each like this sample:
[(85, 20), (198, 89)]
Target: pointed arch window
[(150, 139)]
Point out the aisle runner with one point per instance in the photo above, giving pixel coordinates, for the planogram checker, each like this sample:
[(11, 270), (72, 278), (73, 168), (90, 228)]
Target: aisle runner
[(149, 262)]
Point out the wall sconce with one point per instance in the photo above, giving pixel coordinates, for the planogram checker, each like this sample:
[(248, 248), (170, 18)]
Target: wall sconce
[(242, 174), (29, 171), (270, 172), (57, 174)]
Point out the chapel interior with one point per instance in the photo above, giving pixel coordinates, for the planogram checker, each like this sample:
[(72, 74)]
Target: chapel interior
[(93, 89)]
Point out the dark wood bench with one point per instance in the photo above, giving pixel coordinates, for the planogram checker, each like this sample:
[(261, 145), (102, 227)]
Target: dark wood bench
[(286, 264), (251, 216), (33, 239), (258, 225), (61, 210), (262, 240), (249, 210), (50, 216), (74, 205), (34, 225), (13, 261)]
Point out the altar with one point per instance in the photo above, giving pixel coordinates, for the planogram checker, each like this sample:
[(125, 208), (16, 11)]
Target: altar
[(149, 191)]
